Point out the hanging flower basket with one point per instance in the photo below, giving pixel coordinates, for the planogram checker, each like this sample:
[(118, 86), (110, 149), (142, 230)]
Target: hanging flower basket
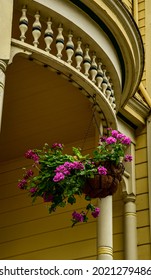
[(59, 178), (103, 185)]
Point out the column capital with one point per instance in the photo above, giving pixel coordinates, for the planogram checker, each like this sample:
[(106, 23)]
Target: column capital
[(129, 197)]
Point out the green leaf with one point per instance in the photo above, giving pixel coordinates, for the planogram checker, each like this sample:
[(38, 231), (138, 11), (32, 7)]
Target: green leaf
[(88, 198), (71, 200), (62, 204)]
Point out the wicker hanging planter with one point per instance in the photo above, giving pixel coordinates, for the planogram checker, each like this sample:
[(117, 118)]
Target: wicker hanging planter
[(103, 185)]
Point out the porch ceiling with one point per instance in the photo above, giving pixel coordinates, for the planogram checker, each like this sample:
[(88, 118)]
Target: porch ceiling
[(40, 106)]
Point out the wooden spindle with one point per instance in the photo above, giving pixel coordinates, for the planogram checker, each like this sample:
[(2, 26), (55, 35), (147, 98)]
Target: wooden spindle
[(23, 24), (60, 41), (69, 48), (99, 76), (93, 68), (87, 61), (48, 36), (79, 54), (36, 30)]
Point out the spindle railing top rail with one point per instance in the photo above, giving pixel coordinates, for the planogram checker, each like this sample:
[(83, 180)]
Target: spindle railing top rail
[(72, 55)]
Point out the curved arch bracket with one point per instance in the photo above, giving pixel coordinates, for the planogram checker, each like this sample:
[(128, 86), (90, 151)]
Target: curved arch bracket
[(77, 78)]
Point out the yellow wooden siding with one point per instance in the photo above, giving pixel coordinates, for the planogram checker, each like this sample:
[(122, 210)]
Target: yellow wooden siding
[(141, 185), (142, 203), (119, 255), (143, 235), (141, 19), (144, 252), (143, 218), (141, 155), (142, 200), (118, 240), (141, 170), (84, 249), (141, 141), (66, 237)]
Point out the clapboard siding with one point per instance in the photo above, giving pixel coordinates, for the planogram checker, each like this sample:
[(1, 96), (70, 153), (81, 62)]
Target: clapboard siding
[(76, 250), (141, 20), (142, 199), (144, 252), (48, 240), (142, 185)]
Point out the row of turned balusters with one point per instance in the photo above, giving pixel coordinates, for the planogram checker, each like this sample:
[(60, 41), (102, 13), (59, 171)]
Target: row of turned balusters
[(92, 69)]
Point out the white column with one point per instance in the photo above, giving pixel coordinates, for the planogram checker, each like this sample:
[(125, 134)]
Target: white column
[(129, 196), (6, 15), (105, 229), (130, 228)]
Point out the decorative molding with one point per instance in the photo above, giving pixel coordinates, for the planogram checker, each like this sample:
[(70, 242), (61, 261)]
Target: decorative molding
[(105, 250), (3, 65)]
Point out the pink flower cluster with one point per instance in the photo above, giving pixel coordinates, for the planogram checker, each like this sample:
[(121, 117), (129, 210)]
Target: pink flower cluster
[(22, 183), (115, 136), (57, 146), (29, 173), (80, 217), (32, 155), (65, 170)]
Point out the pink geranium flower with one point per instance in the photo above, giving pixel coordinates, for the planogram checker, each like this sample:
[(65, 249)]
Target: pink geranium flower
[(58, 177), (114, 133), (96, 212), (102, 170), (128, 158), (110, 140), (78, 216)]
